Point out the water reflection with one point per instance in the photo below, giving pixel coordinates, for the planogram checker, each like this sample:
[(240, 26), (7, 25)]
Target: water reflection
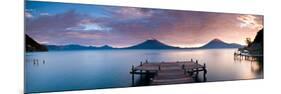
[(68, 70), (256, 64)]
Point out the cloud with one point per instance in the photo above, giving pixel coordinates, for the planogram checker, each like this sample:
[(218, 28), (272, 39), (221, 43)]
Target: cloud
[(44, 14), (28, 15), (29, 10), (130, 13), (53, 28), (89, 25), (54, 23), (66, 28), (83, 35), (249, 21)]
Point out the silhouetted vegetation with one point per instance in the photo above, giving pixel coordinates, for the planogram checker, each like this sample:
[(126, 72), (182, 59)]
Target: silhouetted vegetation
[(31, 45)]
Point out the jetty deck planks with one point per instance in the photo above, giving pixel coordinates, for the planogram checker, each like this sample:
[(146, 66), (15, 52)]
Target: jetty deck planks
[(169, 72)]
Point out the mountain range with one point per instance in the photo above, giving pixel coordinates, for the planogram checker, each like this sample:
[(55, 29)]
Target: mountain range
[(148, 44), (77, 47), (152, 44), (217, 43)]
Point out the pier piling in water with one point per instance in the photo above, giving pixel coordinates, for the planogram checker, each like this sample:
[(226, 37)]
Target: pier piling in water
[(205, 72), (133, 75)]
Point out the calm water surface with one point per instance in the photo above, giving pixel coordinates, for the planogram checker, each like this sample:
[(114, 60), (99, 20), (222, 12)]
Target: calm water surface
[(92, 69)]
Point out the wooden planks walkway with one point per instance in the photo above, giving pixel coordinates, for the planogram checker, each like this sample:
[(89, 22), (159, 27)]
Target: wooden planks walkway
[(169, 72), (247, 56), (174, 76)]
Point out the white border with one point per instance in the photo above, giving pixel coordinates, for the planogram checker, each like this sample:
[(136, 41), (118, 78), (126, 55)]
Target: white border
[(11, 64)]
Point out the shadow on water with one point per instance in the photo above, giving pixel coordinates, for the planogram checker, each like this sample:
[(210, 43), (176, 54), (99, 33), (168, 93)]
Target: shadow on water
[(260, 65), (255, 62), (143, 80)]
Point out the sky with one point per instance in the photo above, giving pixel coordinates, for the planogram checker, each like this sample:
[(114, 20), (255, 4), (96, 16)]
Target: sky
[(96, 25)]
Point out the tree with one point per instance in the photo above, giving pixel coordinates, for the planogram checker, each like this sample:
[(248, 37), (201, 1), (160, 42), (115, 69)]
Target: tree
[(248, 41)]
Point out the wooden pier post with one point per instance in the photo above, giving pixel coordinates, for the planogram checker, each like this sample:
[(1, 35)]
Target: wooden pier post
[(191, 60), (197, 70), (205, 72), (133, 75), (183, 67), (33, 61), (141, 76)]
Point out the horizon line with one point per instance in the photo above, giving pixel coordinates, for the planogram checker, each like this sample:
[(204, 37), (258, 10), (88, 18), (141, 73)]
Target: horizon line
[(139, 43)]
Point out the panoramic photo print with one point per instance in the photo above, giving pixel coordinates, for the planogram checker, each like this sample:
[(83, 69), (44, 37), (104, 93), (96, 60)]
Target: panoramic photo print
[(80, 46)]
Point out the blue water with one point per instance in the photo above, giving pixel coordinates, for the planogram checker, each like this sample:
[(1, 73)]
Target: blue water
[(93, 69)]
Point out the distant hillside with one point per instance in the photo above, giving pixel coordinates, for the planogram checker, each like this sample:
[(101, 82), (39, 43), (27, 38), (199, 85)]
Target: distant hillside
[(77, 47), (152, 44), (105, 47), (31, 45), (216, 43), (67, 47), (148, 44)]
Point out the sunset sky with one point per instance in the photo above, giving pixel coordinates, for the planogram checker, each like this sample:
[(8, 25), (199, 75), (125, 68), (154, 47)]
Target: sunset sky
[(62, 24)]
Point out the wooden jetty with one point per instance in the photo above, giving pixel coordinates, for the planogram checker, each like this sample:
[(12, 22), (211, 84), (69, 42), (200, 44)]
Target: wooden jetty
[(169, 72), (246, 56)]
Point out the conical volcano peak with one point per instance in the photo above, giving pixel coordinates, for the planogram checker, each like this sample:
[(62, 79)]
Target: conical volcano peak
[(216, 40), (105, 46), (152, 44), (217, 43), (152, 40)]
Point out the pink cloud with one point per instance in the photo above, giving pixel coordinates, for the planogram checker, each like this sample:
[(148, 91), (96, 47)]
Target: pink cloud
[(249, 21), (132, 13), (28, 15)]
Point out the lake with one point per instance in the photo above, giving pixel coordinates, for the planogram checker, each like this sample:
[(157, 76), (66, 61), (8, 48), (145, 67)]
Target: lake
[(93, 69)]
